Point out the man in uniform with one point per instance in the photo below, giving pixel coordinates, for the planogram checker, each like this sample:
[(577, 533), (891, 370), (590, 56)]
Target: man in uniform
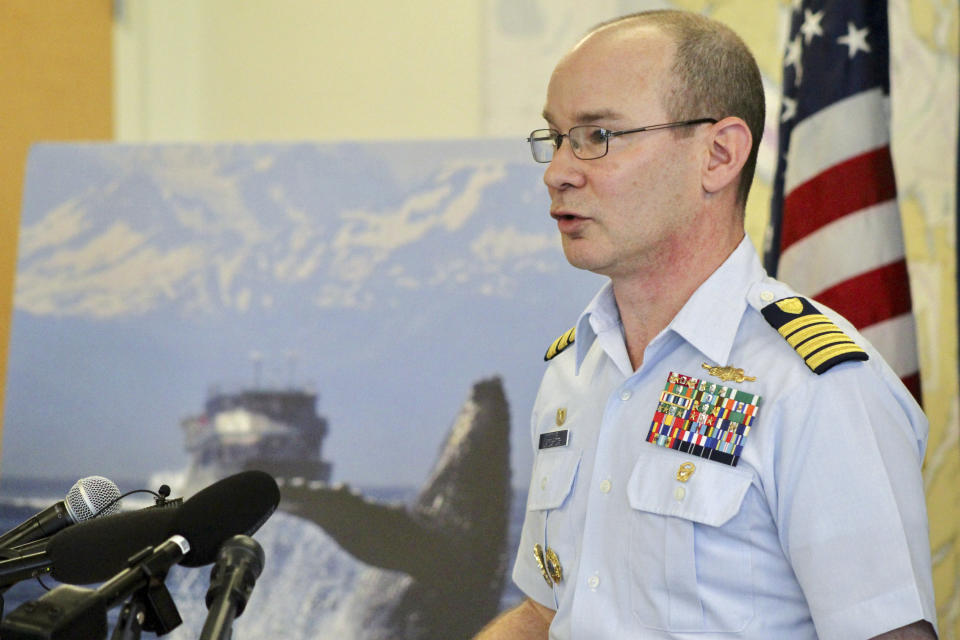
[(715, 456)]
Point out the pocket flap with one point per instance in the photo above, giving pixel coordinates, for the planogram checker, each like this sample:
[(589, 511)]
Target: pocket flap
[(712, 494), (553, 474)]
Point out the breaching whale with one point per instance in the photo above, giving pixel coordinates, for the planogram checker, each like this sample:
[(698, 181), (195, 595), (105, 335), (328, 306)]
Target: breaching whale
[(435, 568)]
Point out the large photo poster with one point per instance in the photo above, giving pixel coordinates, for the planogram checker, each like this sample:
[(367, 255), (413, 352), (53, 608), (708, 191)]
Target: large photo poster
[(365, 322)]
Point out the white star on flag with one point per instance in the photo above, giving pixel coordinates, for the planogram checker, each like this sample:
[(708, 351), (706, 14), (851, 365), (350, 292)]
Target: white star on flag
[(811, 25), (792, 57), (855, 40), (789, 109)]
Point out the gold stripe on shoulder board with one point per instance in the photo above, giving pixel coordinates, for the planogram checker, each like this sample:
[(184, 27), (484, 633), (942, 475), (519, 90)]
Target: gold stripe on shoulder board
[(560, 344), (820, 342)]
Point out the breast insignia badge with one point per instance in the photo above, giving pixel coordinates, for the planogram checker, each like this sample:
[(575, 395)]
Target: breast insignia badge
[(542, 563), (685, 471), (727, 374), (553, 566)]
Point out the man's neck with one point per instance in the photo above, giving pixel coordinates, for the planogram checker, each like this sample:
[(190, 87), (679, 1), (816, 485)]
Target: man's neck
[(648, 299)]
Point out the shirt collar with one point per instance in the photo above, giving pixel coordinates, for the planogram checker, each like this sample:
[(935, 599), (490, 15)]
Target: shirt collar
[(710, 318), (600, 315), (708, 321)]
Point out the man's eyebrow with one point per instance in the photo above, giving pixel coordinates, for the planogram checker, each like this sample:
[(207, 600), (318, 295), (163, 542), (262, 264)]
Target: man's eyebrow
[(593, 116), (583, 117)]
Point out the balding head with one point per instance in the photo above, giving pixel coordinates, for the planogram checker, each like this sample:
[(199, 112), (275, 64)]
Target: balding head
[(711, 72)]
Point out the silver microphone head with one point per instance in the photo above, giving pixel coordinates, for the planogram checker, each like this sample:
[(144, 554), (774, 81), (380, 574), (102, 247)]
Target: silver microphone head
[(89, 495)]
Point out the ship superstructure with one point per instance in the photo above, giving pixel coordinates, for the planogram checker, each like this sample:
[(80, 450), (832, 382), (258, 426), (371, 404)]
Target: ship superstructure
[(274, 430)]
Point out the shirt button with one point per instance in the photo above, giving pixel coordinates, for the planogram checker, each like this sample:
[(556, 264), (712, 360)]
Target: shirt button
[(605, 486), (543, 482), (625, 395), (767, 296), (679, 493), (593, 582)]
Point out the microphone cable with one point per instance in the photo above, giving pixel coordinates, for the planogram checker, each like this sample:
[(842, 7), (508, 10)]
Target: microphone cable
[(160, 499)]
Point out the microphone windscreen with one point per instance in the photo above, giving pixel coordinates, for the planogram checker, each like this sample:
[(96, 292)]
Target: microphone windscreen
[(95, 550), (236, 505)]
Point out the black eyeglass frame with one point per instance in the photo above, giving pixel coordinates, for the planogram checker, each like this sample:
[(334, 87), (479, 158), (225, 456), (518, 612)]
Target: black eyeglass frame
[(558, 137)]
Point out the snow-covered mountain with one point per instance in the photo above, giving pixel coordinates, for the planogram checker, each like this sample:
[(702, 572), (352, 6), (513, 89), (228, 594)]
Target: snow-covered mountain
[(234, 228), (388, 275)]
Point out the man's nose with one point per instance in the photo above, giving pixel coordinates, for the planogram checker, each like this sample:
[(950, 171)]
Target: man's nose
[(565, 169)]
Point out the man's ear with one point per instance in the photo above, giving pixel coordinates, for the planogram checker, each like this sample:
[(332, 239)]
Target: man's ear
[(729, 148)]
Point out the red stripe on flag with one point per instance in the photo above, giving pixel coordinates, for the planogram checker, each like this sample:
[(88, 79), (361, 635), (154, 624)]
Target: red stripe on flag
[(857, 183), (912, 383), (871, 297)]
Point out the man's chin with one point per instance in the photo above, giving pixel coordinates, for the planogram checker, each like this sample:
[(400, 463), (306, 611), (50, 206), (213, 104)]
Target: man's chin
[(581, 259)]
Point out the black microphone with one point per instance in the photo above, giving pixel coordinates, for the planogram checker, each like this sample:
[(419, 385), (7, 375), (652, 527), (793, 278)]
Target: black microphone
[(76, 613), (236, 505), (86, 499), (232, 578), (102, 543), (94, 551)]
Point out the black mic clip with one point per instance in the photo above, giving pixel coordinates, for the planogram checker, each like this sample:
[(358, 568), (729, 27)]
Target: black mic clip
[(150, 608), (162, 499)]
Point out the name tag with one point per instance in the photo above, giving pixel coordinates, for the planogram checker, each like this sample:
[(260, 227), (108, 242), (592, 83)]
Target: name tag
[(552, 439)]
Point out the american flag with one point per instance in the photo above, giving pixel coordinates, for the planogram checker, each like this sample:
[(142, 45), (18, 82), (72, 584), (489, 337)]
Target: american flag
[(835, 232)]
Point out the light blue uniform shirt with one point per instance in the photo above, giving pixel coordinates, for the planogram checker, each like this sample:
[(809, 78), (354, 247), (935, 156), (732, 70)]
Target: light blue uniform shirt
[(820, 530)]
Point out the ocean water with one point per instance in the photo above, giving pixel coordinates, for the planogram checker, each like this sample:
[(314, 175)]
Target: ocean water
[(306, 576)]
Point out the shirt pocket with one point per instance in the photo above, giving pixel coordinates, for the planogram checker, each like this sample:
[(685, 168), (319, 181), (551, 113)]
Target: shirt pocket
[(690, 552), (554, 472)]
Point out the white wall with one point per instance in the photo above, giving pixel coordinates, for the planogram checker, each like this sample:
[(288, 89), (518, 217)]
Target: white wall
[(208, 70)]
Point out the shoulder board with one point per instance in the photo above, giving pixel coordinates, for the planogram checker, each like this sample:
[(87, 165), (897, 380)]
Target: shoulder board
[(560, 344), (813, 335)]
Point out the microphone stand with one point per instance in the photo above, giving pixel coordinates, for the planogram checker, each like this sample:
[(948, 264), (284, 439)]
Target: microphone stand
[(151, 608), (76, 613), (130, 623)]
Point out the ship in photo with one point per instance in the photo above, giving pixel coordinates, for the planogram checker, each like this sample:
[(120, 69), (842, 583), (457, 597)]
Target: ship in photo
[(274, 430)]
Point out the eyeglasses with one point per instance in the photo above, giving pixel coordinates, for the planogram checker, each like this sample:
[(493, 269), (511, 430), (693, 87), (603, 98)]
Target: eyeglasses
[(588, 141)]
